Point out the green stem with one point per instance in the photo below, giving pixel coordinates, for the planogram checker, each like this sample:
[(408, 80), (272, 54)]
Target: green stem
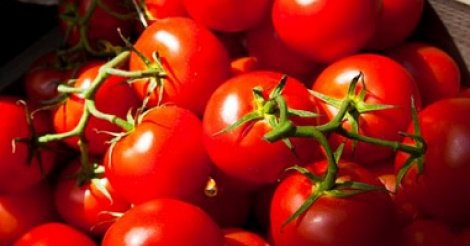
[(91, 106), (69, 90)]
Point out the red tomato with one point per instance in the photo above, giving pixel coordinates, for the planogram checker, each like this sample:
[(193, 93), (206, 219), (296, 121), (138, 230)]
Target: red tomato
[(54, 234), (398, 20), (164, 222), (242, 154), (103, 21), (17, 172), (19, 212), (386, 82), (427, 233), (228, 15), (159, 9), (41, 83), (442, 190), (271, 53), (464, 92), (326, 30), (463, 237), (194, 59), (364, 219), (67, 115), (162, 157), (244, 64), (87, 207), (241, 237), (435, 71)]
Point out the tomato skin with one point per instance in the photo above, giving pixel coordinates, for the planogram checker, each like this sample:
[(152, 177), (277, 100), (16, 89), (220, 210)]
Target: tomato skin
[(160, 9), (398, 20), (55, 234), (364, 219), (227, 15), (41, 84), (425, 232), (194, 59), (162, 157), (165, 222), (301, 25), (241, 237), (85, 207), (435, 71), (19, 212), (442, 190), (387, 82), (242, 154), (16, 172), (67, 116)]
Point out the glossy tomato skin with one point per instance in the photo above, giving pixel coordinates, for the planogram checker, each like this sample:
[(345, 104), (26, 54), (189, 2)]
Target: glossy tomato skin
[(241, 237), (55, 234), (364, 219), (162, 157), (387, 83), (67, 116), (41, 84), (159, 9), (87, 207), (226, 15), (435, 71), (242, 154), (165, 222), (398, 20), (19, 212), (442, 190), (17, 173), (302, 26), (193, 58)]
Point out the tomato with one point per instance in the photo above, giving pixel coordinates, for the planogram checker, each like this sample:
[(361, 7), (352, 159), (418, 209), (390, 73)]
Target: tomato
[(54, 234), (103, 21), (194, 59), (242, 154), (387, 83), (241, 237), (17, 171), (441, 190), (67, 116), (326, 30), (244, 64), (263, 43), (87, 207), (427, 233), (435, 71), (463, 237), (41, 84), (164, 222), (398, 20), (159, 9), (464, 92), (226, 15), (364, 219), (162, 157), (21, 211)]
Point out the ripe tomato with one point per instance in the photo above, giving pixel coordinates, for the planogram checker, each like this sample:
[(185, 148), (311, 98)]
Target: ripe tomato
[(442, 190), (398, 20), (19, 212), (194, 59), (227, 15), (17, 171), (386, 82), (242, 154), (159, 9), (241, 237), (41, 83), (435, 71), (162, 157), (54, 234), (364, 219), (67, 116), (326, 30), (87, 207), (426, 232), (164, 222)]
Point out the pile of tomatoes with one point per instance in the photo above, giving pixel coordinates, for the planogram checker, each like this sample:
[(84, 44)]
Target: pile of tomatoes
[(237, 123)]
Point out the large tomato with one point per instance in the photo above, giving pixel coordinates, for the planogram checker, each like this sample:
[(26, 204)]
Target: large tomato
[(241, 237), (364, 219), (159, 9), (442, 189), (194, 60), (386, 82), (55, 234), (164, 222), (162, 157), (17, 170), (68, 114), (241, 153), (326, 30)]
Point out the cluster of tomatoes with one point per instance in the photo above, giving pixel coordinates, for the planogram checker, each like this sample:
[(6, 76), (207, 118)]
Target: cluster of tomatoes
[(238, 123)]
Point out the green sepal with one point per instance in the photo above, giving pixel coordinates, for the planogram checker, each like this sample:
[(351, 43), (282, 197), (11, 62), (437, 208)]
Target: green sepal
[(304, 171), (302, 113), (277, 91), (246, 118), (304, 207), (327, 99)]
